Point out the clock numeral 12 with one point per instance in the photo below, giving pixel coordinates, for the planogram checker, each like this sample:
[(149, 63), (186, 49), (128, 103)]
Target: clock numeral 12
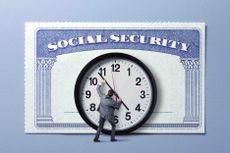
[(115, 67)]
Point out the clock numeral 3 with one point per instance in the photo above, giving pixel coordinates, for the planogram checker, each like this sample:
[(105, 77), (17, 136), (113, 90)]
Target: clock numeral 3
[(142, 94)]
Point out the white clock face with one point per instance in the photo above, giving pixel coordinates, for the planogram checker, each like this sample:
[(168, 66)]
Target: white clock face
[(129, 80)]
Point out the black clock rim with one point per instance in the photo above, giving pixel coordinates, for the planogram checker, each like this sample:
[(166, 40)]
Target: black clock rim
[(122, 56)]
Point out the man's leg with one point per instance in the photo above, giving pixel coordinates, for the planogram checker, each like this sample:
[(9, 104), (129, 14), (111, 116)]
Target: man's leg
[(100, 127), (113, 130)]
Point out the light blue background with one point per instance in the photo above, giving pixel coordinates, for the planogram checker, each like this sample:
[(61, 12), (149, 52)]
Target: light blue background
[(13, 14)]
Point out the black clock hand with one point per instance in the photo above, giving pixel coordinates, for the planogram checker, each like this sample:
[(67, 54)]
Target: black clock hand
[(113, 91), (124, 105)]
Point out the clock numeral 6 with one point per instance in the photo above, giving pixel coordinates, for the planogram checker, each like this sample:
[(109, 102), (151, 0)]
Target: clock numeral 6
[(93, 81), (115, 119), (92, 107), (128, 116)]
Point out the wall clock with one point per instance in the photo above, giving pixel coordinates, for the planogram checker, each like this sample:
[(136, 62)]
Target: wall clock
[(132, 81)]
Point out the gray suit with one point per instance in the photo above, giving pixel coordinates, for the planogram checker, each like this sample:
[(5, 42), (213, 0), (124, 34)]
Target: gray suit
[(106, 108)]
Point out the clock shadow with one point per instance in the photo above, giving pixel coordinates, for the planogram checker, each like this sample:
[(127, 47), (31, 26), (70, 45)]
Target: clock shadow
[(158, 104), (104, 138)]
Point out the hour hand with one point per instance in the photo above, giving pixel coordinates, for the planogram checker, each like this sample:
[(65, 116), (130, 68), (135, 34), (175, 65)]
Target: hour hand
[(124, 105)]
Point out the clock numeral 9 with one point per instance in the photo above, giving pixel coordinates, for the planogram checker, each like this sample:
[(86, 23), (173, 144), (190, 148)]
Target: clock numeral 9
[(115, 119), (142, 94), (93, 81), (92, 107), (128, 116), (87, 94), (138, 81), (115, 67)]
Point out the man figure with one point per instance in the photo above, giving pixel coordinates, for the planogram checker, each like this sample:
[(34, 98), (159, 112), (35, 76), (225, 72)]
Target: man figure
[(106, 109)]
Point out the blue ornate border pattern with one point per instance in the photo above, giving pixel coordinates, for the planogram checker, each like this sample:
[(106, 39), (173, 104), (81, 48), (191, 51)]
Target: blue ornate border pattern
[(190, 61)]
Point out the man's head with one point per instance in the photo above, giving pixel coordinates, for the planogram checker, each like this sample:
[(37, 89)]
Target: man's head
[(110, 93)]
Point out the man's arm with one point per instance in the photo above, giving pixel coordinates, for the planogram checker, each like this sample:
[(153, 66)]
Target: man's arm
[(100, 93), (118, 104), (115, 105)]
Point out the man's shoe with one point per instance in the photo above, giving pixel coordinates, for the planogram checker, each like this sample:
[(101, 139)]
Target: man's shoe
[(113, 140), (96, 140)]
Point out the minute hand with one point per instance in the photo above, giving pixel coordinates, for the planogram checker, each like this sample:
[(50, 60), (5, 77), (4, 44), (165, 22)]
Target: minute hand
[(113, 91)]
